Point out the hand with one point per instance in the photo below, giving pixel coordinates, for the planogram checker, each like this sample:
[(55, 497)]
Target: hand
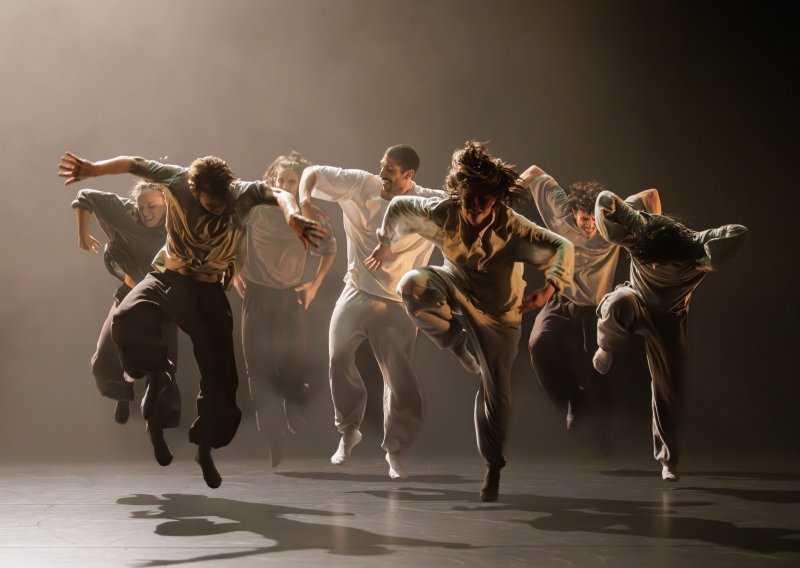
[(537, 298), (239, 284), (310, 232), (88, 243), (379, 255), (306, 293), (74, 168)]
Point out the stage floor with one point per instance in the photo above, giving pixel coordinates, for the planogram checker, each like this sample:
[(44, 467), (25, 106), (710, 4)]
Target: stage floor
[(309, 513)]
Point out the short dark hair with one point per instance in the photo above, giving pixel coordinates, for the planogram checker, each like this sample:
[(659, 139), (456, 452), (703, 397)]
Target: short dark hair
[(665, 239), (293, 161), (211, 175), (473, 167), (583, 194), (404, 155)]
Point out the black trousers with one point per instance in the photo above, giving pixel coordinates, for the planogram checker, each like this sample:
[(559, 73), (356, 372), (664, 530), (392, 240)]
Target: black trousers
[(561, 345), (106, 366), (202, 311), (274, 339)]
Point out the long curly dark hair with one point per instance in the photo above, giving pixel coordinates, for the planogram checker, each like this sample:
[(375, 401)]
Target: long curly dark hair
[(473, 167), (665, 239), (583, 194)]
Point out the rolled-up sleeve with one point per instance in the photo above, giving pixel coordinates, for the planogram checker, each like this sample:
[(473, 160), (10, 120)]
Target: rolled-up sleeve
[(335, 184)]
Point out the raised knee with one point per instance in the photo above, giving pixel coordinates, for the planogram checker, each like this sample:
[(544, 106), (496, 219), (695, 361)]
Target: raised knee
[(413, 283)]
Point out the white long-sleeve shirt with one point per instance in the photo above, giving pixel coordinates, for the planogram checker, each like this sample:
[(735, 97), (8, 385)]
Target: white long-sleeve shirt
[(358, 193), (489, 271), (665, 286), (595, 258)]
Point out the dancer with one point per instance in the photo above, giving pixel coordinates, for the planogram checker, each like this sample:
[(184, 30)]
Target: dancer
[(564, 335), (668, 261), (135, 231), (477, 298), (275, 301), (205, 206), (369, 306)]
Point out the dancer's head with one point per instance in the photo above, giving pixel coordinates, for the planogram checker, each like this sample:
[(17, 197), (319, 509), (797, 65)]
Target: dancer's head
[(582, 196), (398, 166), (663, 239), (210, 180), (285, 171), (478, 182), (151, 205)]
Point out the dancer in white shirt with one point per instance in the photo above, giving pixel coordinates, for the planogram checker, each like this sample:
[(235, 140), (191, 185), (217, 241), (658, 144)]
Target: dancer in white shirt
[(369, 306)]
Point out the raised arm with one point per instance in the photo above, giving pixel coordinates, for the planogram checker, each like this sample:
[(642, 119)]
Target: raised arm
[(651, 200), (615, 219), (75, 168), (722, 244), (550, 199)]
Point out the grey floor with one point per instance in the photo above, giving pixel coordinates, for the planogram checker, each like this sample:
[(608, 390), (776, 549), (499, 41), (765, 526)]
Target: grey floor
[(308, 513)]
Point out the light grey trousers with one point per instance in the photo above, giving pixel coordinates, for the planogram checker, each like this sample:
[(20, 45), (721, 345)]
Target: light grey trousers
[(439, 308), (359, 316), (621, 314)]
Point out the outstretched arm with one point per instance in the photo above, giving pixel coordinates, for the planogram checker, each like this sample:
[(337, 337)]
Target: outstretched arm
[(75, 168)]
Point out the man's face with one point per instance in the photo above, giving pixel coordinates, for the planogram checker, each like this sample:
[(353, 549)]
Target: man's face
[(152, 208), (213, 205), (288, 180), (476, 208), (395, 180), (585, 222)]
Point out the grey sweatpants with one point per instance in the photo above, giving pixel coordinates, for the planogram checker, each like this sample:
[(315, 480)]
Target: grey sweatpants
[(442, 311), (665, 334), (359, 316)]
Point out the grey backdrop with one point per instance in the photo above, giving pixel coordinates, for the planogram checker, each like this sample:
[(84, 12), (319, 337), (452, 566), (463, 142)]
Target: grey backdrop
[(698, 103)]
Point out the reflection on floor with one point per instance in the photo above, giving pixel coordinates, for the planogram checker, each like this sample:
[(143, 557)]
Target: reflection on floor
[(308, 513)]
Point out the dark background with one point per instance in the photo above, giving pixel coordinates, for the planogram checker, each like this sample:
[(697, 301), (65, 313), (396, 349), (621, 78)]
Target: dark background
[(700, 102)]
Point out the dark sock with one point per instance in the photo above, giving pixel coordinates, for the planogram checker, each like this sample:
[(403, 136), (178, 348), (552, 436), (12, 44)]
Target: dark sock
[(491, 485), (210, 474), (122, 411), (160, 447)]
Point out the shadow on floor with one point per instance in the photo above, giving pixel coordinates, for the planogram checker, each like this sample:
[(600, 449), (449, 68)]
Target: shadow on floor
[(186, 516), (663, 517)]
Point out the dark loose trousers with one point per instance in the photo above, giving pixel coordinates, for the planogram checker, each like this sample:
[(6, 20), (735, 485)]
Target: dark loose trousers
[(274, 338), (106, 366), (562, 343), (202, 311)]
